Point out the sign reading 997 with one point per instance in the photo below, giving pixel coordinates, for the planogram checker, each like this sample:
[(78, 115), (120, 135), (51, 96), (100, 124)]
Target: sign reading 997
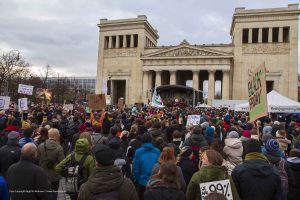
[(222, 187)]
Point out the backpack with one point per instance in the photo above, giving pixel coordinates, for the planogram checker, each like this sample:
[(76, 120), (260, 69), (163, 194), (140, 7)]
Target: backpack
[(74, 174), (195, 155), (63, 126)]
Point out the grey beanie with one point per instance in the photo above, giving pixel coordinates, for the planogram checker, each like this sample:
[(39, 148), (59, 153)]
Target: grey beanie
[(266, 137), (13, 136), (233, 134)]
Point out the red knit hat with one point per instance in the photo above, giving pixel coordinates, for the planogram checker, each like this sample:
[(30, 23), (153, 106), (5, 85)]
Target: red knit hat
[(82, 127), (247, 134)]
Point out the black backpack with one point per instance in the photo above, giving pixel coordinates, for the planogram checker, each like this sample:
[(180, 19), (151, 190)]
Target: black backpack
[(74, 174)]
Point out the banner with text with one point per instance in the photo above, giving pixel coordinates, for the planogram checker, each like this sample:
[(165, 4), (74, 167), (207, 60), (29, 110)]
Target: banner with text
[(96, 101), (193, 120), (25, 89), (68, 107), (4, 102), (22, 104), (257, 93), (222, 186)]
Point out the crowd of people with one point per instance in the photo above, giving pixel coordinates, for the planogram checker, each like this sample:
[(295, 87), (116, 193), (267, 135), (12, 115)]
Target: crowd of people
[(147, 153)]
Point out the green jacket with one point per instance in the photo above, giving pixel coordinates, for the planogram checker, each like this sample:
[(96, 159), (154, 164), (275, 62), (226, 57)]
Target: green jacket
[(208, 174), (55, 154), (106, 179), (81, 148)]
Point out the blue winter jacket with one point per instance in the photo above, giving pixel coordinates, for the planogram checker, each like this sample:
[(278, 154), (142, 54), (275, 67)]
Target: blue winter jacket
[(4, 195), (144, 159)]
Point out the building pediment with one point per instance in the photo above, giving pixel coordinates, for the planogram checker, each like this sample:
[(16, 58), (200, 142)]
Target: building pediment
[(186, 51)]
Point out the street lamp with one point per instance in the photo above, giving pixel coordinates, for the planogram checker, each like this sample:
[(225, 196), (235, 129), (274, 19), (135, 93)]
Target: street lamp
[(111, 91)]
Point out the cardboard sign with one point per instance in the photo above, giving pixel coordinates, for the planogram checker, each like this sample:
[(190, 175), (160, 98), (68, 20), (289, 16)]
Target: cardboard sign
[(25, 89), (4, 102), (257, 93), (216, 186), (22, 104), (96, 101), (68, 107), (193, 120), (121, 102)]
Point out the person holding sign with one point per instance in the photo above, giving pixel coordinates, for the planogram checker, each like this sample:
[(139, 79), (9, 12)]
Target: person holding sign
[(211, 171)]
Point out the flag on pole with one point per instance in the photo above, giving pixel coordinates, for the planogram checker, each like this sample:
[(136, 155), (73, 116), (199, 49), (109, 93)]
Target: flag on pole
[(156, 100)]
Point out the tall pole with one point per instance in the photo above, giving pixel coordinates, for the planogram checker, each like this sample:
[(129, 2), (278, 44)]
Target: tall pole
[(58, 90), (193, 98)]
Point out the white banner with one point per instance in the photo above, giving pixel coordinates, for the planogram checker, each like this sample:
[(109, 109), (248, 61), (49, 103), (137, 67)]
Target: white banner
[(68, 107), (193, 120), (4, 102), (104, 86), (22, 104), (25, 89), (216, 186)]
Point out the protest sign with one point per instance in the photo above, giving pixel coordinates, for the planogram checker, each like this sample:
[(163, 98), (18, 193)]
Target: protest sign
[(68, 107), (22, 104), (257, 93), (104, 86), (216, 186), (25, 89), (4, 102), (193, 120), (45, 94), (96, 101), (87, 109)]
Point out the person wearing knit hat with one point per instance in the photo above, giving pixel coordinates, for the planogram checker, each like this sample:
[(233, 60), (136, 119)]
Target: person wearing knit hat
[(10, 153), (272, 146), (233, 148), (187, 166), (245, 137), (233, 134), (256, 172), (266, 137), (209, 135)]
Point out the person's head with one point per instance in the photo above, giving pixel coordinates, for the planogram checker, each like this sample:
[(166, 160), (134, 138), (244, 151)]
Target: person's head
[(28, 132), (87, 136), (13, 137), (281, 134), (272, 146), (167, 154), (246, 134), (176, 134), (134, 129), (197, 130), (53, 134), (29, 151), (44, 133), (82, 146), (186, 152), (157, 125), (168, 174), (146, 138), (212, 157), (114, 130), (266, 137), (252, 146), (114, 143), (104, 155), (233, 134), (254, 131)]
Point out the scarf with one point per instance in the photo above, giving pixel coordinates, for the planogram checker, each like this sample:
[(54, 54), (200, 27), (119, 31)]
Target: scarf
[(256, 156)]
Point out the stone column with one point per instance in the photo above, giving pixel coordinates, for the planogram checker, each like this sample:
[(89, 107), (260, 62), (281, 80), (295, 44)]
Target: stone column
[(131, 40), (270, 35), (124, 41), (145, 86), (172, 77), (110, 42), (260, 35), (280, 35), (196, 80), (250, 35), (157, 78), (117, 41), (211, 86), (225, 85)]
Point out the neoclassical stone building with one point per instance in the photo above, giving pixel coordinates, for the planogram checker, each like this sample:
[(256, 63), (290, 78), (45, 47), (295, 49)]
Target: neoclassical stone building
[(129, 56)]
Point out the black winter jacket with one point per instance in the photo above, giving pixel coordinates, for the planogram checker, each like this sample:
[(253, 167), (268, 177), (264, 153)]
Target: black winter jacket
[(293, 172), (9, 154)]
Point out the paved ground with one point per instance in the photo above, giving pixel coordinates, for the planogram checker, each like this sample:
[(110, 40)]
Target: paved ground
[(61, 194)]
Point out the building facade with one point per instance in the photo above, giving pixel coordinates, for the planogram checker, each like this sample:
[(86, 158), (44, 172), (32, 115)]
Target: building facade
[(131, 64)]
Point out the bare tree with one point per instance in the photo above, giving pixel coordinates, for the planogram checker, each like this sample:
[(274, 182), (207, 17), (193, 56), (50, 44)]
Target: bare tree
[(45, 73), (11, 66)]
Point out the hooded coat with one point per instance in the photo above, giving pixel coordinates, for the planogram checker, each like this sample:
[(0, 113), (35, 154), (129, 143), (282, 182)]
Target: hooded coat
[(144, 160), (233, 150), (55, 154), (195, 140), (293, 172), (105, 179), (81, 148), (257, 179), (9, 154)]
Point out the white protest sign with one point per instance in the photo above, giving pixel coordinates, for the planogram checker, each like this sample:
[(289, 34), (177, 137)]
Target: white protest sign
[(4, 102), (22, 104), (68, 107), (104, 86), (193, 120), (216, 186), (25, 89)]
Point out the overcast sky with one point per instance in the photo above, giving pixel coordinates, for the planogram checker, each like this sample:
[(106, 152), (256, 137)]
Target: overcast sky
[(64, 33)]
